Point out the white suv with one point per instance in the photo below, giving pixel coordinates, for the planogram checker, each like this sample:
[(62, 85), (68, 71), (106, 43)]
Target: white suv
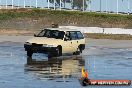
[(56, 42)]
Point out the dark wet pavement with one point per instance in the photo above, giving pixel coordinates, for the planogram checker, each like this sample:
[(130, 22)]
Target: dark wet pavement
[(18, 71)]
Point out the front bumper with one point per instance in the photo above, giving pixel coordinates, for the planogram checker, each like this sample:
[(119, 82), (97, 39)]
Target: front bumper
[(40, 49)]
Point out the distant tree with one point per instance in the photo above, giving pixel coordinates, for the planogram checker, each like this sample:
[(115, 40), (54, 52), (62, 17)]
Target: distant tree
[(75, 4), (79, 4), (58, 2), (51, 1), (66, 1)]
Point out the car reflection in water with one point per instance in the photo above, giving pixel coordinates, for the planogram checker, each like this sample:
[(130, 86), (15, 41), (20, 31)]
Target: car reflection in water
[(58, 69)]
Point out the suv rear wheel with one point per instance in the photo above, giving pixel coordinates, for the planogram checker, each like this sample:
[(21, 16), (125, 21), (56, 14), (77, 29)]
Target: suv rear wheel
[(77, 52)]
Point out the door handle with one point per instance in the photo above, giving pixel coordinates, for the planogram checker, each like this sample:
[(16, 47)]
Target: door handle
[(71, 42), (77, 41)]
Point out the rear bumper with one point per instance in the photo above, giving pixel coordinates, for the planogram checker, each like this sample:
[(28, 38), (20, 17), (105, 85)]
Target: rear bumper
[(40, 49)]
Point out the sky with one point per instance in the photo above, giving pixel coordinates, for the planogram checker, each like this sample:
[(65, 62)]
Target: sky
[(95, 4)]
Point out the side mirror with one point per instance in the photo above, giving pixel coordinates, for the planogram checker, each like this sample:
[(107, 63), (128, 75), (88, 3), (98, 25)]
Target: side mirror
[(35, 35)]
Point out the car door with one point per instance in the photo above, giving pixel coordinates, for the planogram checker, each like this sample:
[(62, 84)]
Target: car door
[(74, 41), (67, 44), (70, 42)]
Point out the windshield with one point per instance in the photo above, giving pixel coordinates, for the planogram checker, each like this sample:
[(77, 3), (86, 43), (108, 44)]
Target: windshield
[(51, 34)]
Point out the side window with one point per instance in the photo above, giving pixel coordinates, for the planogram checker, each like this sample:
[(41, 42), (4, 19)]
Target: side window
[(73, 35), (58, 34), (47, 33), (80, 36), (41, 34)]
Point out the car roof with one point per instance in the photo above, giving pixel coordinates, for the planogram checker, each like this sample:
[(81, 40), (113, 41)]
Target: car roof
[(61, 29)]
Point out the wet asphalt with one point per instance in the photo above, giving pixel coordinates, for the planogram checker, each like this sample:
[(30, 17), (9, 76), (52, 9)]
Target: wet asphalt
[(18, 71)]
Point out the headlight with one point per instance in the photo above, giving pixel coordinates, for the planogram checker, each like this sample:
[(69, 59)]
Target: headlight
[(50, 46), (27, 43), (44, 45)]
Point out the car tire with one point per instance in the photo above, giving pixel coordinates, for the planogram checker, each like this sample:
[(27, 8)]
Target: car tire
[(50, 55), (77, 52), (80, 49), (55, 54), (29, 53)]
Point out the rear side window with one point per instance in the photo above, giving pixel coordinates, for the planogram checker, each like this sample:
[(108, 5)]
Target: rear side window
[(73, 35), (80, 35)]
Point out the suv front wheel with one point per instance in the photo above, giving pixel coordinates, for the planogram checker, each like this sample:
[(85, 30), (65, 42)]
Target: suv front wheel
[(29, 53), (57, 53), (59, 50)]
